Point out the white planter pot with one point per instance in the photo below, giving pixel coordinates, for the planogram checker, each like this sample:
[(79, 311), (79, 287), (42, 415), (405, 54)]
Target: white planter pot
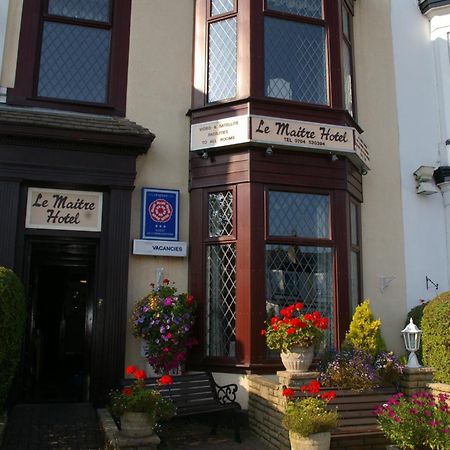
[(136, 424), (317, 441), (298, 359)]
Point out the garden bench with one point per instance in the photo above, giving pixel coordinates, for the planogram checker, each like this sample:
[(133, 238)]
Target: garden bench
[(356, 415), (196, 394)]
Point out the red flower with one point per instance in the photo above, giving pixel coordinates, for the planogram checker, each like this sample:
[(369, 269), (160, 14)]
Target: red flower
[(190, 299), (263, 332), (328, 396), (274, 320), (139, 375), (308, 316), (166, 281), (323, 323), (302, 324), (130, 370), (316, 315), (290, 331), (165, 379), (275, 327), (295, 322), (299, 306), (127, 391), (313, 387), (288, 392)]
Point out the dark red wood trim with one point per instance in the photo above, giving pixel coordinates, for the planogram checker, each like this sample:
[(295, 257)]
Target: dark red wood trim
[(341, 216), (199, 88), (9, 203)]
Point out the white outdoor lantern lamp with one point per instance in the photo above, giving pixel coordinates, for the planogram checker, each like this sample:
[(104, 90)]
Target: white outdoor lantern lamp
[(411, 336)]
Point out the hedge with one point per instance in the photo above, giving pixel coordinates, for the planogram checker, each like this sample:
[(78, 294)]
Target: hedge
[(12, 326), (436, 336)]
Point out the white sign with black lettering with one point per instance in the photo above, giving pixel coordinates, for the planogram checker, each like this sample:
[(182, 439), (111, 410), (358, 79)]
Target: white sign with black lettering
[(159, 248), (58, 209)]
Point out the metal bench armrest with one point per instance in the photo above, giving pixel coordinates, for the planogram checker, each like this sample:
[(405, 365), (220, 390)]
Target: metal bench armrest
[(226, 393)]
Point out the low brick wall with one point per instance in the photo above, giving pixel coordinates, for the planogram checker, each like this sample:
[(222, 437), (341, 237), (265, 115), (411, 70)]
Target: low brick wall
[(267, 405), (414, 380)]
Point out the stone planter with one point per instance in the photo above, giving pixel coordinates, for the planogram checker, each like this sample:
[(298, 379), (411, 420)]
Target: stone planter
[(297, 359), (136, 424), (317, 441)]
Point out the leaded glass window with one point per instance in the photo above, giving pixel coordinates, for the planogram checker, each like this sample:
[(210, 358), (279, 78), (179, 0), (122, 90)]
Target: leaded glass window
[(300, 273), (221, 300), (347, 60), (221, 6), (309, 8), (220, 214), (222, 60), (74, 62), (81, 9), (299, 215), (295, 56)]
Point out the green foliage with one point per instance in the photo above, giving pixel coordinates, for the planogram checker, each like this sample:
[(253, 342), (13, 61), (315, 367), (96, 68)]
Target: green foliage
[(436, 336), (364, 333), (416, 315), (12, 326), (309, 416), (421, 419), (139, 399)]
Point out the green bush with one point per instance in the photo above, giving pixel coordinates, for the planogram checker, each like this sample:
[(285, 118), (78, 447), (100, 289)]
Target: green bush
[(364, 333), (416, 315), (12, 326), (436, 336)]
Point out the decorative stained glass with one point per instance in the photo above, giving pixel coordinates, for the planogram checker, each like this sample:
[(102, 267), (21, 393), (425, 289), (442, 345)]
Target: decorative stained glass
[(300, 273), (220, 212), (299, 215), (221, 6), (74, 63), (347, 77), (354, 223), (222, 62), (354, 281), (295, 65), (308, 8), (97, 10), (221, 300)]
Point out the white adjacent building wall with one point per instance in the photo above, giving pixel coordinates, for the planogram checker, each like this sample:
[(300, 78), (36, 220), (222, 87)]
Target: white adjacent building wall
[(421, 62)]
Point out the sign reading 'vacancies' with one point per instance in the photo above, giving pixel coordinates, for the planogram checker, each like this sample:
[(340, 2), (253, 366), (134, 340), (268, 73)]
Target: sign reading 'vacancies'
[(160, 210)]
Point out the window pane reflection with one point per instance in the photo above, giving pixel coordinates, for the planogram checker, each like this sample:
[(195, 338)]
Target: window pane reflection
[(309, 8), (97, 10), (299, 215), (303, 273), (295, 61), (74, 63)]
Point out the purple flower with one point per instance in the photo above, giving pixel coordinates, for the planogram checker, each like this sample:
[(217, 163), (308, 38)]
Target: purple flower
[(433, 423), (414, 411), (168, 301)]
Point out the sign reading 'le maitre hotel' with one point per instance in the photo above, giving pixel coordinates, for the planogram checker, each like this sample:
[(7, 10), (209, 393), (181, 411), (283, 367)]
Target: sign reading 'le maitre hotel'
[(64, 210)]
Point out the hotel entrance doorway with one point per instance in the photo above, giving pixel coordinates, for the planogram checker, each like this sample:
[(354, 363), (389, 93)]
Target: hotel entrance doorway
[(61, 292)]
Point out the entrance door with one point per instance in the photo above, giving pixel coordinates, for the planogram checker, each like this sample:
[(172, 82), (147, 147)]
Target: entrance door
[(57, 366)]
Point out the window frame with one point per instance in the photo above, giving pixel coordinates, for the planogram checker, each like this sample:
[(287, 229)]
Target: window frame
[(34, 15)]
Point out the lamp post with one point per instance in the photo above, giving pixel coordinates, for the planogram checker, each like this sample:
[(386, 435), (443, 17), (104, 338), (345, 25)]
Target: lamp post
[(411, 336)]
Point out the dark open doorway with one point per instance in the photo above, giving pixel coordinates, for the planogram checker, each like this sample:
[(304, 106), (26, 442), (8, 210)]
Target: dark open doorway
[(57, 362)]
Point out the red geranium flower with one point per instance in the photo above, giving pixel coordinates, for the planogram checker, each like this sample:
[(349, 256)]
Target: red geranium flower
[(299, 306), (166, 281), (328, 396), (139, 375), (263, 332), (288, 392), (290, 331), (165, 379), (130, 370)]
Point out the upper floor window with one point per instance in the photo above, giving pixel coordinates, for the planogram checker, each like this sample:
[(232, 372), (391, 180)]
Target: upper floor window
[(295, 51), (73, 54), (298, 51)]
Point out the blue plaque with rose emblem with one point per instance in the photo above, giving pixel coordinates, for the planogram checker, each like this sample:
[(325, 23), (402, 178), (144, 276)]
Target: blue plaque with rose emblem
[(160, 211)]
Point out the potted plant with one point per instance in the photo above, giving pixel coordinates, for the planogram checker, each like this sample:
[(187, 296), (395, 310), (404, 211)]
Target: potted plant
[(165, 320), (295, 334), (308, 419), (139, 408), (419, 422)]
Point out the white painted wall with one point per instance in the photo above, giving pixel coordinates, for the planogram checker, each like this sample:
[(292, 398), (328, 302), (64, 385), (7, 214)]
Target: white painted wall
[(420, 140)]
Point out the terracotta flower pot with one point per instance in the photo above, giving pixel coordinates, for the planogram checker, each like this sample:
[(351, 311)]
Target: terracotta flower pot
[(298, 359), (316, 441), (136, 424)]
